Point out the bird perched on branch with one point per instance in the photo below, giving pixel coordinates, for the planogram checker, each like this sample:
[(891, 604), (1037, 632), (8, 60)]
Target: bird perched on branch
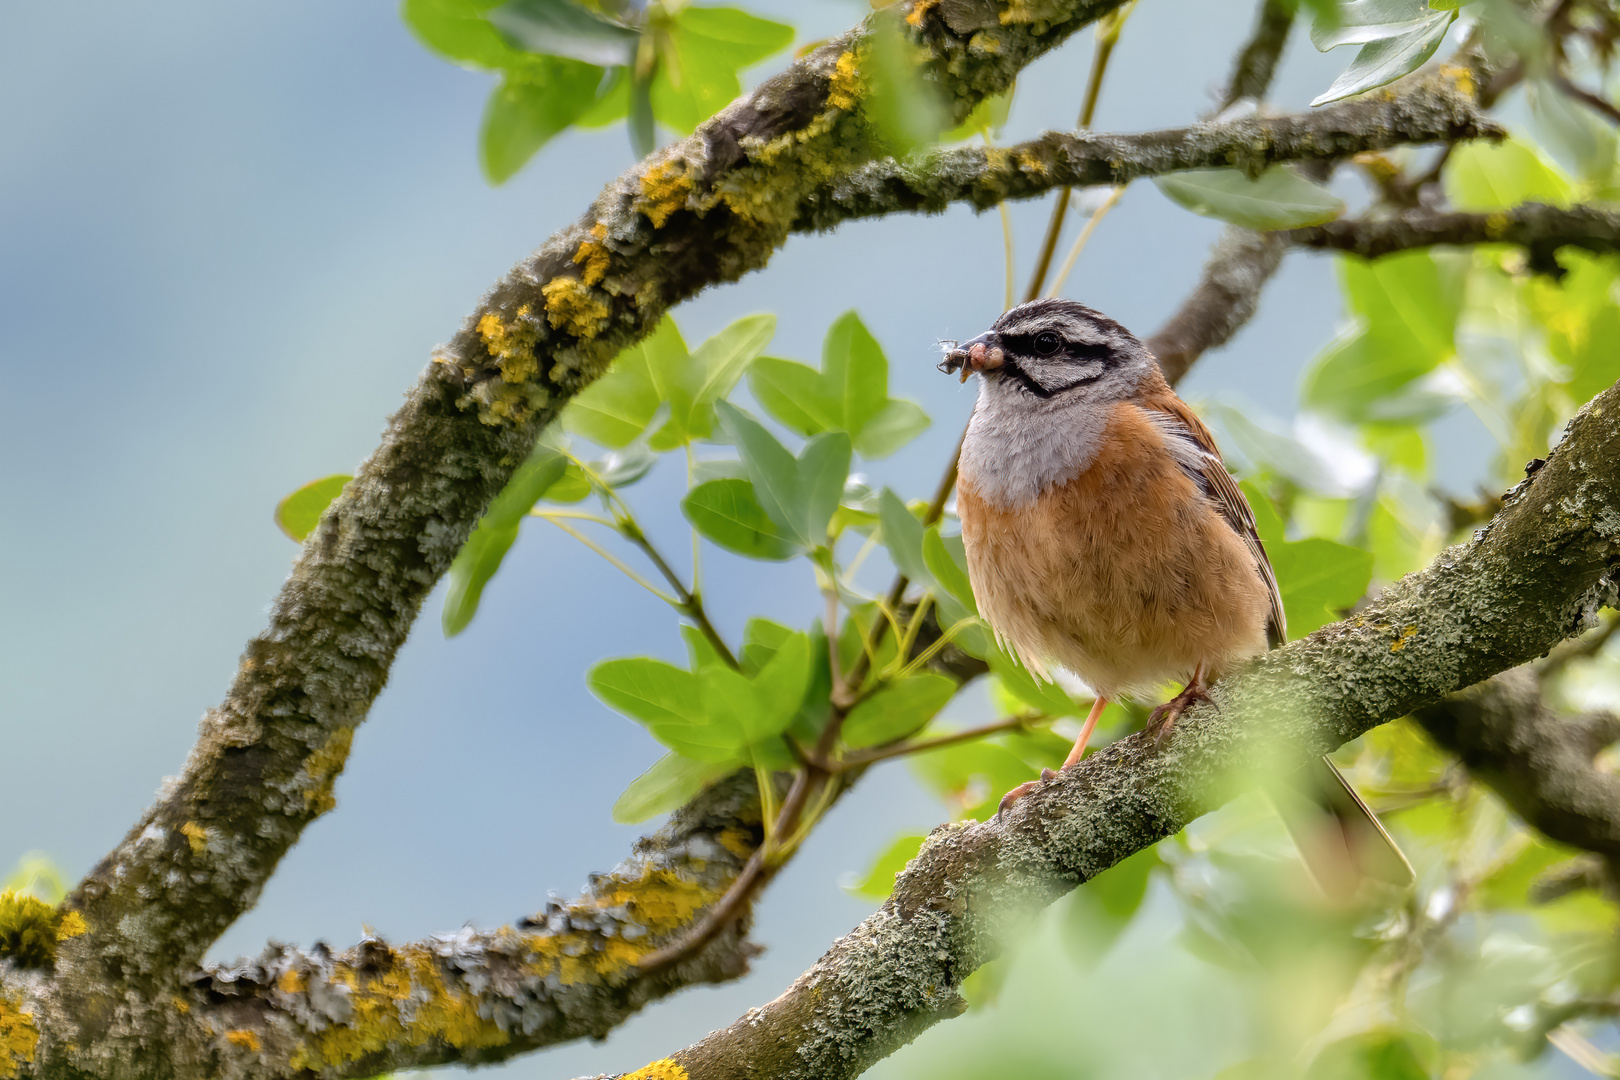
[(1105, 536)]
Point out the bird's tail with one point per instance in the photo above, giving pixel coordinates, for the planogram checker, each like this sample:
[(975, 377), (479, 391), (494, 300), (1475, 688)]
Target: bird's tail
[(1345, 846)]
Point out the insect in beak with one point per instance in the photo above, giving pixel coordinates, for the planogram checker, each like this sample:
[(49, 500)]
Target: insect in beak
[(981, 354)]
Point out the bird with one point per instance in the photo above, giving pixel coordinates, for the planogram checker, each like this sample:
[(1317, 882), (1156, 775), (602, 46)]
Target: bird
[(1104, 535)]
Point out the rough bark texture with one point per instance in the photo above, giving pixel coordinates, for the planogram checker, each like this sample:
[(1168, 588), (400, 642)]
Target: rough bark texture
[(1539, 761), (1537, 574), (1225, 299), (125, 998), (1541, 230)]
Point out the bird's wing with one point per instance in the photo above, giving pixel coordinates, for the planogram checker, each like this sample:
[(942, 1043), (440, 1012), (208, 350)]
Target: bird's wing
[(1194, 449)]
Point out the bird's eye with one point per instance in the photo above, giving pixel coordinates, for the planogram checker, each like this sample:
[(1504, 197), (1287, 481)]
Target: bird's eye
[(1047, 343)]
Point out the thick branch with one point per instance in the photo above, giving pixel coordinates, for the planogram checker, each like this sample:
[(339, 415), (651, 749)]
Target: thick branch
[(1539, 761), (1435, 109), (706, 210), (1535, 576), (1541, 230), (1225, 298)]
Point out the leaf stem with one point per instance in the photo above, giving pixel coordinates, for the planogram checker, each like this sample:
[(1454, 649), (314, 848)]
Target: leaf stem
[(612, 559)]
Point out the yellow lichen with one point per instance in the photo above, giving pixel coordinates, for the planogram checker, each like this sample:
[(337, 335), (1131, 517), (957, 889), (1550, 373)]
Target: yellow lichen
[(664, 189), (661, 900), (571, 305), (291, 982), (72, 925), (196, 836), (1461, 77), (511, 344), (662, 1069), (844, 88), (181, 1004), (244, 1038), (18, 1037), (1402, 638), (920, 10), (28, 928), (411, 984), (593, 255), (322, 769), (737, 842)]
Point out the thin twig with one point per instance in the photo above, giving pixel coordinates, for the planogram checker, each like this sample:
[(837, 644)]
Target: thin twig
[(884, 753), (1587, 98), (689, 601), (613, 560), (1085, 234)]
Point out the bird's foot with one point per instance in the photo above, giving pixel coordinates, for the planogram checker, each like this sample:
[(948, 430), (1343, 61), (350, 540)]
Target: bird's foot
[(1163, 719), (1021, 790)]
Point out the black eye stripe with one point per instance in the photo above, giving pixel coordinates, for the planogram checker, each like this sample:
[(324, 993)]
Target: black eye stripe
[(1024, 345)]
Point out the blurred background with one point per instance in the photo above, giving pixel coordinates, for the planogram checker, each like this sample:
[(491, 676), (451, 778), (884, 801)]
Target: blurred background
[(230, 237)]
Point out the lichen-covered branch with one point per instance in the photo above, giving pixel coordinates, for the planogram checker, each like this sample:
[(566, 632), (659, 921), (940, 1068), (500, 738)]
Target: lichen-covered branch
[(1539, 761), (1537, 574), (1257, 61), (1541, 230), (1438, 108)]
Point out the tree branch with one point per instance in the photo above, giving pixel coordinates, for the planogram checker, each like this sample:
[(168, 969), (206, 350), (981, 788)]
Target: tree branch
[(1539, 761), (1541, 230), (1526, 582), (1223, 301)]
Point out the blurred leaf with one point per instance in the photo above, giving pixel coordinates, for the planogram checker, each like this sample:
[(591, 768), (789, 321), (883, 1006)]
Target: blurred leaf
[(1581, 321), (1319, 579), (1576, 135), (1496, 176), (850, 393), (1385, 60), (672, 781), (703, 49), (527, 109), (727, 513), (481, 556), (622, 468), (299, 513), (823, 467), (1042, 696), (972, 777), (459, 31), (37, 875), (572, 487), (907, 111), (987, 117), (879, 880), (947, 564), (1376, 1055), (566, 29), (700, 651), (615, 409), (1278, 199), (1103, 907), (896, 710)]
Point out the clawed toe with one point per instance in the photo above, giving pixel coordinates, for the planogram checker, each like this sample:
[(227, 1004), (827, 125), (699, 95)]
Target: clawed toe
[(1021, 790)]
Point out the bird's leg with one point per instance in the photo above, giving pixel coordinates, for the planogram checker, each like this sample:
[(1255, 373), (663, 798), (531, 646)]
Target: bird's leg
[(1074, 755), (1162, 719)]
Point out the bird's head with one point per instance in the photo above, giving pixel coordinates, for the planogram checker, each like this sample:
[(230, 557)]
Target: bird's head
[(1048, 350)]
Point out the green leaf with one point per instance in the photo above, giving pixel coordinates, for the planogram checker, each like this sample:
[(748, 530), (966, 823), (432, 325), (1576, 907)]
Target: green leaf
[(481, 556), (1387, 59), (772, 468), (972, 776), (907, 111), (672, 782), (1016, 680), (702, 51), (1362, 21), (850, 393), (1581, 321), (526, 110), (795, 394), (299, 513), (692, 384), (458, 30), (879, 880), (823, 467), (614, 410), (564, 28), (1376, 1055), (947, 564), (1319, 579), (727, 513), (898, 709), (779, 687), (1486, 176), (903, 537), (694, 715), (1278, 199)]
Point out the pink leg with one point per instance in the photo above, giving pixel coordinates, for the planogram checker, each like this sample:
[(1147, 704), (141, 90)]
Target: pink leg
[(1162, 719), (1074, 755)]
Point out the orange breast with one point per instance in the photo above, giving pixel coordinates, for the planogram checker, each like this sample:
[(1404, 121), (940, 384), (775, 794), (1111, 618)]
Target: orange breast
[(1126, 575)]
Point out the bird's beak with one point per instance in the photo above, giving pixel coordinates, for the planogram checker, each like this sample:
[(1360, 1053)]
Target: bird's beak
[(983, 353)]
